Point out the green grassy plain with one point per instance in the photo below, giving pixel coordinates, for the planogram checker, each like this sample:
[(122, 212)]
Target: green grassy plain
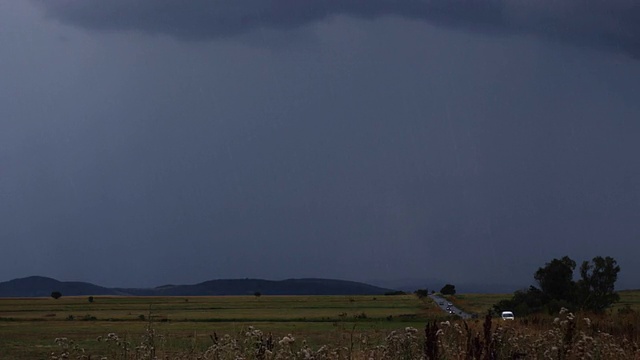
[(29, 326), (628, 299)]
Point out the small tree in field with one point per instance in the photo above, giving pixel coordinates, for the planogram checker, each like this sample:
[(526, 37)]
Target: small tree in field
[(448, 290), (257, 294), (90, 298), (56, 294)]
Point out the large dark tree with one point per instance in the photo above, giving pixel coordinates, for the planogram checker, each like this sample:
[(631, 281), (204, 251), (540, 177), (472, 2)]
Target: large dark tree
[(556, 279), (597, 283), (593, 292), (56, 294)]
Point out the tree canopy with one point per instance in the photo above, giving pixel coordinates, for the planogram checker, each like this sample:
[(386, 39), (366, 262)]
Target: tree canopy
[(594, 291), (596, 286), (448, 289), (556, 278)]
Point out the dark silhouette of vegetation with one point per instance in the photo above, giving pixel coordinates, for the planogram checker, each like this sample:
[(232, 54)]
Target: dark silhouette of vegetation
[(257, 294), (596, 288), (421, 293), (431, 341), (90, 299), (556, 279), (56, 294), (395, 292), (557, 289), (448, 289)]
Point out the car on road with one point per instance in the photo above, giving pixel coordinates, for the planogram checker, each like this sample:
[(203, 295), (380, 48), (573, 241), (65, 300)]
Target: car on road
[(507, 315)]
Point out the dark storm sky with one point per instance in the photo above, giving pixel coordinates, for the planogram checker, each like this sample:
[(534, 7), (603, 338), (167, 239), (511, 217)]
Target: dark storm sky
[(150, 142)]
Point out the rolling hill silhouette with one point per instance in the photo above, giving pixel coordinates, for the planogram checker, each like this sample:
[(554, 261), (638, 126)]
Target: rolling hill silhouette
[(39, 286)]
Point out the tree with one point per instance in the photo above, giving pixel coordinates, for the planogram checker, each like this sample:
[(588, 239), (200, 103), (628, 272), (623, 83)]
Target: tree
[(523, 302), (257, 294), (56, 294), (593, 292), (448, 289), (556, 279), (421, 293), (596, 287), (90, 298)]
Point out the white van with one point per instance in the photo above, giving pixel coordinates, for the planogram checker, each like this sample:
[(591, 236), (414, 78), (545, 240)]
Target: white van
[(507, 315)]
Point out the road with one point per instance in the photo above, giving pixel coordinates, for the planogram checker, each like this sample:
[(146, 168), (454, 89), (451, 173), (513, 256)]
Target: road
[(443, 304)]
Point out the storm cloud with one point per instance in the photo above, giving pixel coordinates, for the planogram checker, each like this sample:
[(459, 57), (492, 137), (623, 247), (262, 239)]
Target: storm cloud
[(415, 141), (607, 24)]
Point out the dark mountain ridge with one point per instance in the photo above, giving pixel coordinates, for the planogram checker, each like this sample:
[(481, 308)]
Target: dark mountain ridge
[(39, 286)]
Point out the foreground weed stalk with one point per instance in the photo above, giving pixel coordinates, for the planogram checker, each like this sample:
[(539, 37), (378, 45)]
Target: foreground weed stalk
[(431, 333)]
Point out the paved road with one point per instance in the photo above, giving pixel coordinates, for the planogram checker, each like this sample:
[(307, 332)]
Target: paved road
[(444, 304)]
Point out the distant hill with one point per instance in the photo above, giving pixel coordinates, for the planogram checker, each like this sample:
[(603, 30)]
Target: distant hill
[(38, 286)]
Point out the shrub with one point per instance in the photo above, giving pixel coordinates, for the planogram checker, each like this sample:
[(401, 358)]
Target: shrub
[(421, 293), (448, 289), (395, 292)]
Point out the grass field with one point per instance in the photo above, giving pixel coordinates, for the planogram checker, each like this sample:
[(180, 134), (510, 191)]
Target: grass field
[(29, 326), (476, 303), (190, 325), (628, 299)]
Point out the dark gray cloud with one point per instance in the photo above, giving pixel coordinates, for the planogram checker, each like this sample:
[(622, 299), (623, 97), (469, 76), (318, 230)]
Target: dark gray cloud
[(609, 24), (388, 148)]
